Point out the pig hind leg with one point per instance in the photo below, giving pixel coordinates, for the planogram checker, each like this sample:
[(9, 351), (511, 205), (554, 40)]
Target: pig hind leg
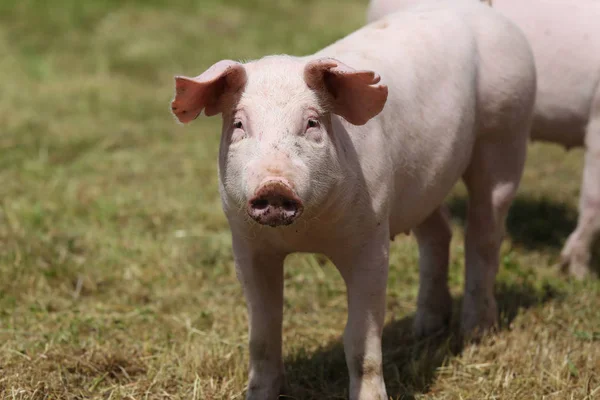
[(577, 251), (434, 302), (492, 180)]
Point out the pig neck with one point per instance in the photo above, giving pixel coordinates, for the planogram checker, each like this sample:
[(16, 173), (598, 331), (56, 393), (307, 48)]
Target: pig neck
[(361, 195)]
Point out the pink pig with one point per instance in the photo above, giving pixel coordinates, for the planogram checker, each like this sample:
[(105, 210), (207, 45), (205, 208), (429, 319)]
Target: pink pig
[(565, 38), (337, 152)]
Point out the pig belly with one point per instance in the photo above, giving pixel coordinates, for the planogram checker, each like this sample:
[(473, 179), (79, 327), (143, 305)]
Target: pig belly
[(416, 200)]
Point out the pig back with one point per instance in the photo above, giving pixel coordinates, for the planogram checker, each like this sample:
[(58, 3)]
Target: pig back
[(565, 38)]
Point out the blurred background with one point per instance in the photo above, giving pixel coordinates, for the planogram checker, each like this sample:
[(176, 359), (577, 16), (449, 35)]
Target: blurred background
[(116, 273)]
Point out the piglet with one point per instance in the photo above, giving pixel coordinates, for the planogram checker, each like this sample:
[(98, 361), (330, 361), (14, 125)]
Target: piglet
[(336, 152)]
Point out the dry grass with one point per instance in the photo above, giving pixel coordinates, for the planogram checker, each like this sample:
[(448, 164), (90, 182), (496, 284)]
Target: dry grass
[(116, 276)]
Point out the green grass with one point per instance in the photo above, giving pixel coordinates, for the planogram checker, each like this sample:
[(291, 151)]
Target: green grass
[(116, 274)]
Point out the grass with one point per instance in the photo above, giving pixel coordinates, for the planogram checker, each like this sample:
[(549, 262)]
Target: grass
[(116, 275)]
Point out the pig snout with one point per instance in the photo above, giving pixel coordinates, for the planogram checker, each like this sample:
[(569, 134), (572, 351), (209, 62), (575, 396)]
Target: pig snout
[(275, 204)]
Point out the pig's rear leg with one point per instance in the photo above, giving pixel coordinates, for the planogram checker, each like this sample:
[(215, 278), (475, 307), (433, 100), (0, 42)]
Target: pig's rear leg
[(492, 179), (577, 251), (434, 305)]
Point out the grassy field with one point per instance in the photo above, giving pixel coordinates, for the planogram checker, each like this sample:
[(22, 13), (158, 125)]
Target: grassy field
[(116, 275)]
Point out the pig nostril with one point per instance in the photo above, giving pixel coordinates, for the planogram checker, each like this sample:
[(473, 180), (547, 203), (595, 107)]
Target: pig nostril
[(260, 204), (289, 205), (274, 204)]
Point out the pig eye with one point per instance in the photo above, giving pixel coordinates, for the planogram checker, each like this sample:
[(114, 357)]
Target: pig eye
[(312, 123), (237, 125)]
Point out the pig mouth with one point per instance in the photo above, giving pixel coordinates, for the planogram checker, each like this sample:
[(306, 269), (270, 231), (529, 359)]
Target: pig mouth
[(275, 204)]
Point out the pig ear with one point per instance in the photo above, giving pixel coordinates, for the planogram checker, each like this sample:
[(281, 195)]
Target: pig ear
[(205, 92), (355, 95)]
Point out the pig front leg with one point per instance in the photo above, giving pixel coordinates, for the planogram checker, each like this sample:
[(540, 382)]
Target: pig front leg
[(365, 270), (261, 276)]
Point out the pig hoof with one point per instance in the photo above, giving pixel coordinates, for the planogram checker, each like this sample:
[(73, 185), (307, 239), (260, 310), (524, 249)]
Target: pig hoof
[(579, 271), (271, 391), (428, 323), (577, 267), (478, 319)]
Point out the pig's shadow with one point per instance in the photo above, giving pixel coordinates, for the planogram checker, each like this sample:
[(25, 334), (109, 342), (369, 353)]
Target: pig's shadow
[(540, 224), (410, 365), (534, 224)]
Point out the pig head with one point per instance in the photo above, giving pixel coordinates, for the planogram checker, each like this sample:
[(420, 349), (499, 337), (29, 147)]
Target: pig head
[(279, 158)]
